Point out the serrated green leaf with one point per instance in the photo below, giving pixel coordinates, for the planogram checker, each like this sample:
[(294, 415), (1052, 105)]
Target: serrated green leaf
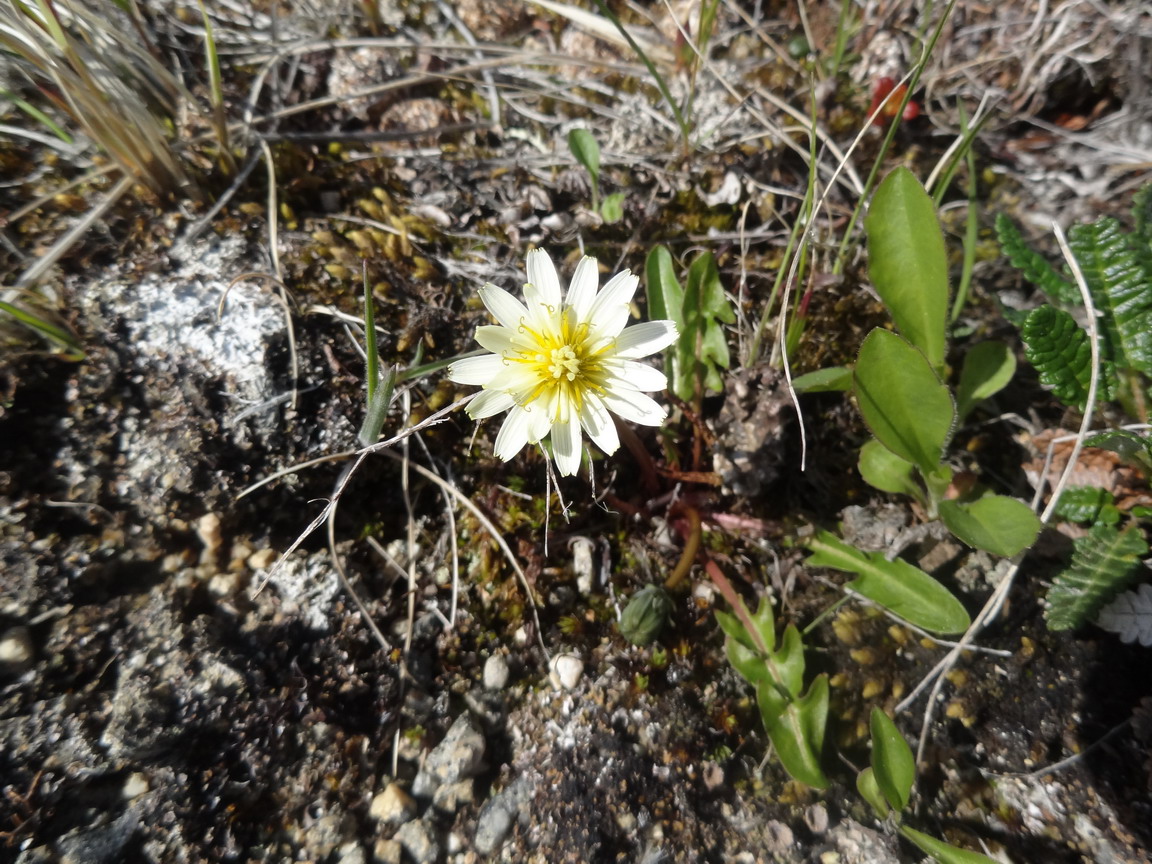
[(1058, 348), (869, 790), (884, 470), (896, 585), (907, 262), (1121, 292), (1087, 504), (994, 523), (834, 378), (1103, 563), (1033, 266), (586, 151), (892, 761), (902, 400), (944, 853), (988, 367)]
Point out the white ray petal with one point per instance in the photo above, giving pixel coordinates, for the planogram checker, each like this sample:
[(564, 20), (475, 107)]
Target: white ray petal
[(488, 403), (500, 340), (566, 444), (513, 435), (610, 309), (504, 307), (634, 376), (543, 279), (635, 407), (475, 370), (582, 289), (640, 340), (598, 423)]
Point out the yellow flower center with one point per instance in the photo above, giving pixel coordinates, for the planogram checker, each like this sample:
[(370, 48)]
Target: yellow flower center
[(563, 363)]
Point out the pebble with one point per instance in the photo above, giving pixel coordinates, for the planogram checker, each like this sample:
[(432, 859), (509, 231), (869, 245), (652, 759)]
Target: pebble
[(419, 842), (496, 672), (582, 564), (387, 852), (498, 815), (393, 806), (449, 797), (16, 650), (565, 671), (135, 785), (208, 530), (262, 559), (459, 756)]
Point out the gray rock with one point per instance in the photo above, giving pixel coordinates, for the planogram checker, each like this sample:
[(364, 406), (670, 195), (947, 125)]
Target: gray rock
[(459, 756), (419, 841), (351, 853), (498, 816), (450, 797)]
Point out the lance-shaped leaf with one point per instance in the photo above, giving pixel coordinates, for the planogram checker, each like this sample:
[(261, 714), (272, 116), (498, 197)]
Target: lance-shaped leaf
[(907, 262), (884, 470), (892, 762), (944, 853), (988, 367), (902, 400), (896, 585), (797, 731), (702, 350), (994, 523)]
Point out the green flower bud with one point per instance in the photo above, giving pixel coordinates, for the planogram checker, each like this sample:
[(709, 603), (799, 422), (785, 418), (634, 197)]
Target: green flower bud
[(645, 615)]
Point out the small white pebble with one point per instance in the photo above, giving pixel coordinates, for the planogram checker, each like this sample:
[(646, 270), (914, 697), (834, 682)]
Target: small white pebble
[(135, 785), (208, 530), (582, 565), (565, 671), (261, 560), (495, 672), (16, 649)]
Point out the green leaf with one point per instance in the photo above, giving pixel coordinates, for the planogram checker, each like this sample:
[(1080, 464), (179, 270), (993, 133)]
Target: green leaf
[(1121, 292), (797, 732), (702, 350), (944, 853), (45, 328), (896, 585), (834, 378), (1087, 504), (612, 207), (994, 523), (892, 761), (586, 151), (988, 367), (1103, 563), (884, 470), (902, 400), (907, 262), (1058, 348), (1128, 445), (1033, 266), (869, 790), (665, 296)]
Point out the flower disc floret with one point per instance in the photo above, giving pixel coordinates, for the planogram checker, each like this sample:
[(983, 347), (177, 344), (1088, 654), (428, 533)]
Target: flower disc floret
[(562, 365)]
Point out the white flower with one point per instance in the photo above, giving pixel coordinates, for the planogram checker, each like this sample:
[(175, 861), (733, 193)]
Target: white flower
[(559, 365)]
